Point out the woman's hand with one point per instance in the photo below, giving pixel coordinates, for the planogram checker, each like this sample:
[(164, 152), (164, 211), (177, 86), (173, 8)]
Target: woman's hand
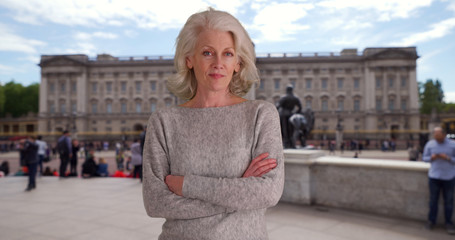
[(260, 166), (174, 183)]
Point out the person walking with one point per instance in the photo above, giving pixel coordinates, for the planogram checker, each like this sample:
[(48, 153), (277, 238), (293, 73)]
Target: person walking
[(136, 158), (440, 152), (29, 153), (65, 151), (42, 153)]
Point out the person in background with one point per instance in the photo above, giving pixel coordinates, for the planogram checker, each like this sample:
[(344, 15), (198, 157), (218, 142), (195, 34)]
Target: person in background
[(74, 157), (5, 168), (440, 152), (89, 167), (42, 152), (102, 170), (65, 151), (47, 172), (136, 158), (29, 151), (413, 153)]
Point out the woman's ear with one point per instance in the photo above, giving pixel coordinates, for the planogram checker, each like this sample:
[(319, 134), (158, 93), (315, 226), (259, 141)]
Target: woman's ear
[(188, 63), (237, 67)]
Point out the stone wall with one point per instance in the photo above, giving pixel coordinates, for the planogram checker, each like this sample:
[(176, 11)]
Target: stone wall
[(385, 187)]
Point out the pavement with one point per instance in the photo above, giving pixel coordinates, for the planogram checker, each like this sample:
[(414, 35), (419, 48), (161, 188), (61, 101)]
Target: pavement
[(112, 208)]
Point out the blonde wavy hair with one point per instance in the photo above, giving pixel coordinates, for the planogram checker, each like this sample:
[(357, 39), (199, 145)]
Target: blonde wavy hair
[(183, 84)]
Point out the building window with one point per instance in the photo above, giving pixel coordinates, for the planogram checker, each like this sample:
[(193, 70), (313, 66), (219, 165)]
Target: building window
[(63, 108), (108, 129), (138, 87), (293, 82), (261, 84), (403, 104), (340, 83), (404, 81), (356, 83), (109, 87), (356, 105), (168, 102), (277, 83), (73, 87), (73, 107), (52, 108), (324, 83), (153, 86), (391, 104), (94, 87), (123, 87), (51, 87), (325, 105), (378, 82), (94, 108), (308, 83), (109, 107), (340, 104), (153, 106), (138, 107), (123, 107), (308, 103), (391, 82), (62, 87), (378, 104)]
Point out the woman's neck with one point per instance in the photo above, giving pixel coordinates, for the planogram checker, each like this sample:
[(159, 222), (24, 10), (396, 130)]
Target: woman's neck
[(206, 100)]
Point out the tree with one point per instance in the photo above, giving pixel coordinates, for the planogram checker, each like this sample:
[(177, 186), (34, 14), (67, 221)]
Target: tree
[(431, 96), (19, 100)]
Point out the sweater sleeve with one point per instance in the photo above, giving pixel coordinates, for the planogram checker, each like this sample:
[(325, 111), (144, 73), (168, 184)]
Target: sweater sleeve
[(247, 193), (159, 201)]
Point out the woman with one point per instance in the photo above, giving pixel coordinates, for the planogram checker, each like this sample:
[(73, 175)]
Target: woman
[(206, 162)]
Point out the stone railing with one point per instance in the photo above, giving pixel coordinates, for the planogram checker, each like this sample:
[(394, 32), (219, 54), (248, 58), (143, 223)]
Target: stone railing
[(385, 187)]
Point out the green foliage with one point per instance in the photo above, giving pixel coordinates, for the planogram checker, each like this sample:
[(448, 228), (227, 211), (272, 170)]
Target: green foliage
[(18, 100), (431, 96)]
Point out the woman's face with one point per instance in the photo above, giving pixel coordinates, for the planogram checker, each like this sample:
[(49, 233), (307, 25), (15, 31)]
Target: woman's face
[(214, 61)]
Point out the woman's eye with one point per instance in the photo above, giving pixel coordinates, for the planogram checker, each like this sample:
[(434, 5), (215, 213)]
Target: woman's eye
[(229, 54), (206, 53)]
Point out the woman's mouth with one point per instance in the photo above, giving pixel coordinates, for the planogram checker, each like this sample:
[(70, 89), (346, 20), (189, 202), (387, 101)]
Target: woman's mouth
[(216, 75)]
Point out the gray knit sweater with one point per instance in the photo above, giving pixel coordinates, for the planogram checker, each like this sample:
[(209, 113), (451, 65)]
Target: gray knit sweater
[(212, 148)]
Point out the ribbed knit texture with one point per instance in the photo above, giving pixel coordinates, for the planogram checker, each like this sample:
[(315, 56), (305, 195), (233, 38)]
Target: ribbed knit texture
[(212, 148)]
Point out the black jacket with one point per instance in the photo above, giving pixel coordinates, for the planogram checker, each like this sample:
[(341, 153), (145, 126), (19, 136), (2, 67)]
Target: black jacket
[(29, 152)]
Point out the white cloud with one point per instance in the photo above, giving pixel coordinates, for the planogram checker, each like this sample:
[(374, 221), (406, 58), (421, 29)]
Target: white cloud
[(279, 21), (438, 30), (88, 36), (147, 14), (449, 97), (14, 43), (386, 10)]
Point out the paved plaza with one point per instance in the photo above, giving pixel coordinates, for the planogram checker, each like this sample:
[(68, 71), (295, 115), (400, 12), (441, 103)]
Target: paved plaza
[(112, 208)]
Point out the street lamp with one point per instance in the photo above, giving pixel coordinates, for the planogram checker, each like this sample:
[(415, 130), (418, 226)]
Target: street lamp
[(339, 129)]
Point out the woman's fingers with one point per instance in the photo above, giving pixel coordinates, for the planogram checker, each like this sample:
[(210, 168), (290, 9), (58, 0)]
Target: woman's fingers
[(260, 165)]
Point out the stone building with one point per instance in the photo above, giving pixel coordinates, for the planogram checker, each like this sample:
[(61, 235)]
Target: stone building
[(374, 93)]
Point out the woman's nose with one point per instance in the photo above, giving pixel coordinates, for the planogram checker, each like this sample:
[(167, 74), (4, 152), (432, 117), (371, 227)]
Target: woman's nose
[(218, 62)]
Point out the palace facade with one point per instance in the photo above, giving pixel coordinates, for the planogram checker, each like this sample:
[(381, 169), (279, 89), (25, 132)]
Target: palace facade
[(373, 93)]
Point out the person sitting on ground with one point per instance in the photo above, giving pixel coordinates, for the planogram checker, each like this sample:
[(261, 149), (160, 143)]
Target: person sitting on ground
[(47, 172), (102, 168), (89, 167), (4, 168), (119, 173)]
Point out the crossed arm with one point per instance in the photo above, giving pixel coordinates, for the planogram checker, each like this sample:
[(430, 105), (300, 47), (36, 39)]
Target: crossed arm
[(192, 196)]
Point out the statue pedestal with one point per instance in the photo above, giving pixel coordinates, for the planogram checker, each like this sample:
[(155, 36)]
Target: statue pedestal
[(339, 138)]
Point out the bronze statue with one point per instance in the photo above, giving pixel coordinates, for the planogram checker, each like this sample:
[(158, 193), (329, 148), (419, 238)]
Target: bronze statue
[(286, 108), (302, 125)]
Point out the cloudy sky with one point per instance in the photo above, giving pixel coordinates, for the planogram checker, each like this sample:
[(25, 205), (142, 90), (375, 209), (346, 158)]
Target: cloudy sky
[(31, 28)]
